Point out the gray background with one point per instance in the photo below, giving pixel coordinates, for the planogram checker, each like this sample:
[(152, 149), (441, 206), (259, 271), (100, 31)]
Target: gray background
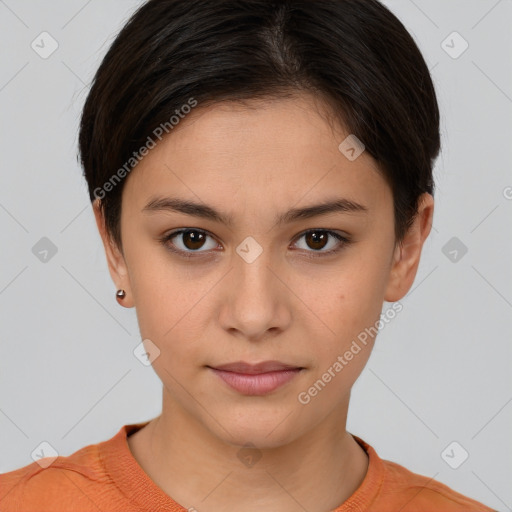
[(440, 371)]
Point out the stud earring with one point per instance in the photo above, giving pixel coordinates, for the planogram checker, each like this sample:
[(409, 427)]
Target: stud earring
[(120, 295)]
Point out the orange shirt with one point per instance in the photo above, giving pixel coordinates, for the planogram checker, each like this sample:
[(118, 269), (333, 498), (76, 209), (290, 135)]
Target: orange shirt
[(106, 477)]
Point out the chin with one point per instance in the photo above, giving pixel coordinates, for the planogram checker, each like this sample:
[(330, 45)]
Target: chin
[(262, 428)]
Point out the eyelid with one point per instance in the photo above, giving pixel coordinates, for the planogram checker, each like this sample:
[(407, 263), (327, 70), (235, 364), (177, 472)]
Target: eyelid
[(343, 239), (165, 240)]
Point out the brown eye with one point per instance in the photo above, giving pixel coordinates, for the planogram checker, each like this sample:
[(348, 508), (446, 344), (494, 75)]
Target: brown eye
[(316, 239), (186, 242), (193, 240)]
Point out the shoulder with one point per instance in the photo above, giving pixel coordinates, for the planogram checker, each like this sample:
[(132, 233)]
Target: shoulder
[(388, 487), (67, 484), (419, 493)]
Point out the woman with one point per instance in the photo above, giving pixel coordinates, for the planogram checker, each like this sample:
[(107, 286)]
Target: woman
[(261, 177)]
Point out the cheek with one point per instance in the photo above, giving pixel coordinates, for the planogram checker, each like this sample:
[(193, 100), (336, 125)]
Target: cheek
[(350, 304), (353, 300), (341, 356), (163, 291), (171, 308), (363, 284)]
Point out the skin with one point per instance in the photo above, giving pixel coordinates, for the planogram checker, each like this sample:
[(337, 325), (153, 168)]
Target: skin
[(253, 164)]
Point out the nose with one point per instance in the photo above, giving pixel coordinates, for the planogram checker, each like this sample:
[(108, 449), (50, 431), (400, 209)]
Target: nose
[(255, 302)]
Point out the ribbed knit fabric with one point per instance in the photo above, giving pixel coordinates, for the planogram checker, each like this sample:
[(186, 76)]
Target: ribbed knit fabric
[(106, 477)]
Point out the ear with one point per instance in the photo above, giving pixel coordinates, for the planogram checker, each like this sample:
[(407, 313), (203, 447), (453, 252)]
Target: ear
[(115, 258), (407, 254)]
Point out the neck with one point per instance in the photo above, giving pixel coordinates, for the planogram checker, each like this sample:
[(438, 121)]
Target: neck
[(318, 470)]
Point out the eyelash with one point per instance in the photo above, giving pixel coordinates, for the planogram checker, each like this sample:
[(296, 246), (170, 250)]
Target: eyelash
[(345, 241)]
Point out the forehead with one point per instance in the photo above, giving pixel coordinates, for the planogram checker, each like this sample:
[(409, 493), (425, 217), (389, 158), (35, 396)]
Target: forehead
[(275, 151), (262, 126)]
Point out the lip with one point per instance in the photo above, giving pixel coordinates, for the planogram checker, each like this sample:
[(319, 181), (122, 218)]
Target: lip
[(256, 379), (253, 369)]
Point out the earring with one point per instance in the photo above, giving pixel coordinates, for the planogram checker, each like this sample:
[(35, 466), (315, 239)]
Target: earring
[(120, 295)]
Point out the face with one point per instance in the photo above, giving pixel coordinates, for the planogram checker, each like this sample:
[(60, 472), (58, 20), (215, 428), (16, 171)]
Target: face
[(253, 273)]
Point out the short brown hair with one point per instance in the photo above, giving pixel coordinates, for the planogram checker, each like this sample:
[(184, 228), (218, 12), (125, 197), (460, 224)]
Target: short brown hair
[(355, 54)]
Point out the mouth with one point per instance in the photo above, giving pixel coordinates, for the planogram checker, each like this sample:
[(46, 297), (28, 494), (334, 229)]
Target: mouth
[(256, 379)]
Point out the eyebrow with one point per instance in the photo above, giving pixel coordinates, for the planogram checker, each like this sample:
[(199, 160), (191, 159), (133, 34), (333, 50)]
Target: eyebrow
[(173, 204)]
